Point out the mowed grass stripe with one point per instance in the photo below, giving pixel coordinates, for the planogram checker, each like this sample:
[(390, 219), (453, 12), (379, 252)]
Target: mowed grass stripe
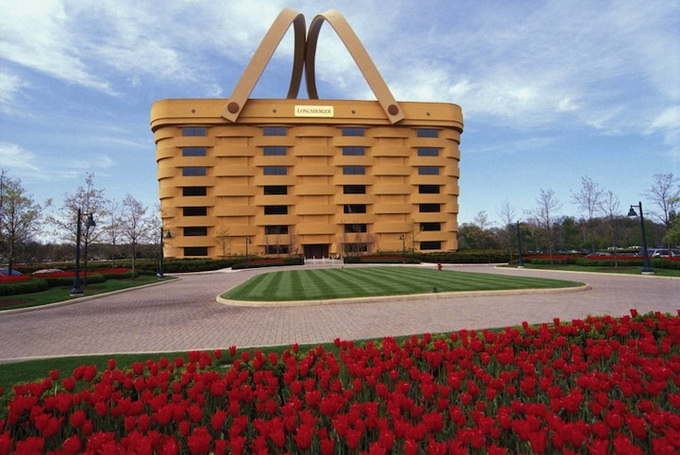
[(321, 284)]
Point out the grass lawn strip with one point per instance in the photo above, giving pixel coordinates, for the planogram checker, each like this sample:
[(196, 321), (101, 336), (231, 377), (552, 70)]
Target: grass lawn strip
[(325, 284)]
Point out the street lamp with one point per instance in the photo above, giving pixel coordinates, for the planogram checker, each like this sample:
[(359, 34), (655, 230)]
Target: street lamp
[(646, 265), (403, 248), (248, 242), (76, 279), (520, 261), (164, 235)]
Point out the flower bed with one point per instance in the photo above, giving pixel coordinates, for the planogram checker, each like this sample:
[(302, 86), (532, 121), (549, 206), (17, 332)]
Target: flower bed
[(596, 386)]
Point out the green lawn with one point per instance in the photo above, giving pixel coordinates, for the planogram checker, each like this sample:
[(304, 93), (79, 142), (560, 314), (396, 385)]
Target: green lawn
[(62, 293), (376, 281)]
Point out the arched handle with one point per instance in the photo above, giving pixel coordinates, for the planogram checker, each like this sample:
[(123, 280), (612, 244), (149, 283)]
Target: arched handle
[(361, 58), (263, 54)]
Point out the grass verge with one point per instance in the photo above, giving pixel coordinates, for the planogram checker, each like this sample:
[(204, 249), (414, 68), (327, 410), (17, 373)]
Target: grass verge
[(617, 270), (377, 281)]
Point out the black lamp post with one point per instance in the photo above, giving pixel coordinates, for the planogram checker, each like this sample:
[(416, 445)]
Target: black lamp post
[(77, 290), (403, 248), (520, 261), (164, 235), (248, 242), (646, 265)]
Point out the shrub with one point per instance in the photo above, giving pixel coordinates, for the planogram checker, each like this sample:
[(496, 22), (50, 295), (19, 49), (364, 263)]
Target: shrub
[(23, 286)]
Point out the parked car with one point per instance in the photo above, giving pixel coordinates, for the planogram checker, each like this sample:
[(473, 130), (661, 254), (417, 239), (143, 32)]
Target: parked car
[(6, 272), (598, 255), (662, 252)]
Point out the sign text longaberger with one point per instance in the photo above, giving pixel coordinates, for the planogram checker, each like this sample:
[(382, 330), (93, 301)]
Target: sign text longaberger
[(314, 111)]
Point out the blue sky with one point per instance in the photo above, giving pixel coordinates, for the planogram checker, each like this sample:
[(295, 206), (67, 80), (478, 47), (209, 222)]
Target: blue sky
[(551, 91)]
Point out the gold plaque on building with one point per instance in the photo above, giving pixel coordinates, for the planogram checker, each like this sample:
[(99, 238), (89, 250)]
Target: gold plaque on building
[(314, 111)]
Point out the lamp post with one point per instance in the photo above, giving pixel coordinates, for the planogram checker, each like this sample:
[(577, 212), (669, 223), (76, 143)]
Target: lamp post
[(403, 248), (164, 235), (520, 261), (248, 242), (77, 290), (646, 265)]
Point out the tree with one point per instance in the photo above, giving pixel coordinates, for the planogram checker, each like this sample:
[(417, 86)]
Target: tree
[(508, 234), (112, 230), (589, 200), (19, 217), (665, 197), (544, 213), (135, 225), (223, 239)]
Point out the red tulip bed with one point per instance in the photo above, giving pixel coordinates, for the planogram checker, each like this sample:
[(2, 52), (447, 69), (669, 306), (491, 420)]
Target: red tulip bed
[(595, 386)]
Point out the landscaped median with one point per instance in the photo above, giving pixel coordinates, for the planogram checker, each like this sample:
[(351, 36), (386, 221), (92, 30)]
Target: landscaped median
[(595, 386), (321, 285)]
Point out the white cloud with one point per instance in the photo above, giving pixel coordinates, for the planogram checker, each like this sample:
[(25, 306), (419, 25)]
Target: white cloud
[(13, 157), (10, 86)]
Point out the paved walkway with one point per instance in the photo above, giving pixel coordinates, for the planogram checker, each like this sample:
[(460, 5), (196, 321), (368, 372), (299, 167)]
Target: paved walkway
[(183, 315)]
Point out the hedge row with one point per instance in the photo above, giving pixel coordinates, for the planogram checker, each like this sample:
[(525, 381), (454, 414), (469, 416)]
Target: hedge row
[(659, 263), (24, 287), (258, 263)]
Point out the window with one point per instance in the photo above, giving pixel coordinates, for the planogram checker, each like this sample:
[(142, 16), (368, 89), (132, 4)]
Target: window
[(354, 170), (354, 208), (194, 131), (275, 150), (195, 231), (428, 170), (275, 190), (356, 247), (194, 191), (428, 151), (274, 131), (194, 171), (428, 227), (195, 250), (427, 132), (428, 189), (194, 151), (275, 170), (276, 229), (276, 210), (354, 189), (355, 228), (354, 151), (352, 131), (276, 249), (429, 208), (431, 245), (195, 211)]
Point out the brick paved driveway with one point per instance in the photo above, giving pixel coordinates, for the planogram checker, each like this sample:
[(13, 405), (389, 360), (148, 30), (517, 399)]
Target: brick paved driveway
[(183, 315)]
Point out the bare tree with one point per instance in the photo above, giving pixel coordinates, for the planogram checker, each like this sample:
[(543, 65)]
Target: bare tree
[(589, 200), (135, 225), (112, 230), (223, 239), (665, 196), (508, 217), (611, 209), (544, 213)]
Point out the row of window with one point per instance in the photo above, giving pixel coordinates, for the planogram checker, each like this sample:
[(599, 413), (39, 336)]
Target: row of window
[(283, 209), (282, 150), (285, 249), (282, 229), (283, 131), (202, 171), (280, 190)]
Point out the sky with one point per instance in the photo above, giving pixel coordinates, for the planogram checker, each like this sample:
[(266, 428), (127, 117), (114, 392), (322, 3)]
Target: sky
[(551, 91)]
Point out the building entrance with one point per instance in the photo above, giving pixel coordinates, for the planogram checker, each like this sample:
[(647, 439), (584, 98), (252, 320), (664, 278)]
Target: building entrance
[(316, 251)]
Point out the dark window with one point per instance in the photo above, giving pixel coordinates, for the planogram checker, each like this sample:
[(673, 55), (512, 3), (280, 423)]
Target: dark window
[(195, 211), (194, 131), (194, 191), (194, 151), (427, 132), (429, 208), (354, 208), (276, 229), (352, 131), (356, 247), (354, 228), (354, 189), (195, 250), (194, 171), (430, 227), (274, 131), (428, 189), (276, 249), (195, 231), (431, 245), (354, 151), (276, 210), (428, 151), (428, 170), (275, 170), (354, 170), (275, 190), (274, 150)]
